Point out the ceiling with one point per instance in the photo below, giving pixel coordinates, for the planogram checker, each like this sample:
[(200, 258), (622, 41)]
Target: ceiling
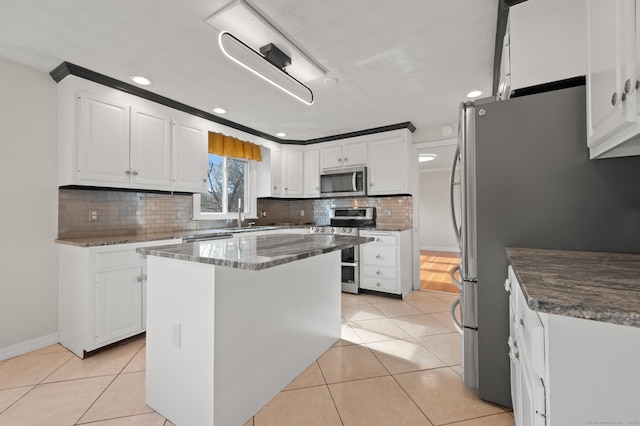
[(408, 60)]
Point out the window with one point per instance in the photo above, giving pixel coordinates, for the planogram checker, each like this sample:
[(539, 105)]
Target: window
[(227, 183)]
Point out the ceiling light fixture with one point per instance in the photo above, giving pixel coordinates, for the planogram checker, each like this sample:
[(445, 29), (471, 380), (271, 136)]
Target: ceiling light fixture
[(219, 110), (241, 53), (281, 134), (138, 79), (474, 93), (251, 25), (426, 157)]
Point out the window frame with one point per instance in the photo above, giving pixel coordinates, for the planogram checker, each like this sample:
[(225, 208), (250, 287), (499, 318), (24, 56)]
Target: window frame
[(249, 205)]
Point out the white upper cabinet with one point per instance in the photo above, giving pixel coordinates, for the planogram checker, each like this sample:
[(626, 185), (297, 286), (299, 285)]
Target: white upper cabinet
[(276, 188), (150, 150), (112, 139), (312, 173), (348, 154), (613, 126), (291, 165), (189, 157), (388, 166), (103, 140), (546, 41)]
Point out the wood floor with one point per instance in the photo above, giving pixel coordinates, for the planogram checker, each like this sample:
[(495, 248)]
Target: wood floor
[(434, 270)]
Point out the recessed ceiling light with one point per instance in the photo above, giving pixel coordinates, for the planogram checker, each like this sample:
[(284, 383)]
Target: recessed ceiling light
[(138, 79), (474, 93), (219, 110), (281, 134), (427, 157)]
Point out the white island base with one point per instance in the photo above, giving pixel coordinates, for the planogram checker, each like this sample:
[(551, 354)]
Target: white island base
[(222, 342)]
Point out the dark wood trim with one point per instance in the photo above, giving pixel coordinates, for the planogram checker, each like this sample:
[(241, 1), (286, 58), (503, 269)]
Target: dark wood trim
[(501, 31), (548, 87), (66, 68)]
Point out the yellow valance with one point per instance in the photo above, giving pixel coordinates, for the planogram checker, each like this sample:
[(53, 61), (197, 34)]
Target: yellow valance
[(228, 146)]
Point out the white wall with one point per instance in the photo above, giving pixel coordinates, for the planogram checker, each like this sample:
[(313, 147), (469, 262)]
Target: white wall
[(436, 226), (29, 214)]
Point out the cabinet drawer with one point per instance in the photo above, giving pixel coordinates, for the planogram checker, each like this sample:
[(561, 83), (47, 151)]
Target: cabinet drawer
[(380, 284), (118, 259), (379, 255), (380, 239), (380, 272)]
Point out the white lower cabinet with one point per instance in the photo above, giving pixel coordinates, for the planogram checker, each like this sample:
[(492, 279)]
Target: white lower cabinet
[(570, 371), (385, 262), (102, 294)]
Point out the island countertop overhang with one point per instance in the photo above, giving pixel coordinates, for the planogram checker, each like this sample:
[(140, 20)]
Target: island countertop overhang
[(255, 252)]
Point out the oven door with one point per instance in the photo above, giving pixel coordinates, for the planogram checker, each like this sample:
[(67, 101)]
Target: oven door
[(350, 270)]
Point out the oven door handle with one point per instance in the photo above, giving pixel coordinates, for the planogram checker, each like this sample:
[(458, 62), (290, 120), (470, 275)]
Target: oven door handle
[(348, 264)]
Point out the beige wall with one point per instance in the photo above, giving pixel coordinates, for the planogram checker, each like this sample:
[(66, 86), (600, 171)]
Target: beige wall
[(436, 226), (28, 172)]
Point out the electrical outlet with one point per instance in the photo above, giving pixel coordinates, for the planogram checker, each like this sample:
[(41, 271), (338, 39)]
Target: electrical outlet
[(175, 334), (263, 213), (94, 215), (301, 212)]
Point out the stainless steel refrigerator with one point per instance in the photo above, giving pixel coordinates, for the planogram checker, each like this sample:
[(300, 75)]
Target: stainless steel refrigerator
[(522, 178)]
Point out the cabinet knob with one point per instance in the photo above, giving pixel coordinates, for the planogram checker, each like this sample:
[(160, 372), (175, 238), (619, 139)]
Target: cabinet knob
[(128, 172), (339, 160), (286, 189), (377, 272), (139, 279), (346, 159), (134, 172), (614, 99), (204, 180), (378, 256), (275, 187), (637, 84), (627, 86), (378, 284)]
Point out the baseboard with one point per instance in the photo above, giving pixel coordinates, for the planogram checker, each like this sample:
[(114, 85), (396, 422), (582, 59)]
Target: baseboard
[(435, 248), (28, 346)]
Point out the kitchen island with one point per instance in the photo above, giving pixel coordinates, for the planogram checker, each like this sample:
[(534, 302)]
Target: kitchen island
[(231, 322)]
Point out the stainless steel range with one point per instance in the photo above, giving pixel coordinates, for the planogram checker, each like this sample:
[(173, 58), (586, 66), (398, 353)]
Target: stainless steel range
[(346, 221)]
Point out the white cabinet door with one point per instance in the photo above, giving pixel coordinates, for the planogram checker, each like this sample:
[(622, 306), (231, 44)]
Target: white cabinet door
[(189, 158), (118, 303), (354, 154), (103, 140), (387, 168), (611, 73), (150, 152), (331, 157), (312, 173), (276, 187), (292, 163)]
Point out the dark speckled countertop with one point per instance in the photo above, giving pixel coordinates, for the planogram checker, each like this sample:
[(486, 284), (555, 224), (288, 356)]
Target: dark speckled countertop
[(582, 284), (255, 252)]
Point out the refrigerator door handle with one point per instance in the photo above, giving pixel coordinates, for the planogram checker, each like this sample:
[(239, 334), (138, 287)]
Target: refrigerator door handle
[(454, 280), (456, 324), (457, 228)]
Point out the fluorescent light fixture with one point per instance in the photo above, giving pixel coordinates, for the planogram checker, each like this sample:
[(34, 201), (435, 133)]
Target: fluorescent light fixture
[(219, 110), (281, 134), (241, 53), (138, 79), (426, 157), (474, 93), (251, 25)]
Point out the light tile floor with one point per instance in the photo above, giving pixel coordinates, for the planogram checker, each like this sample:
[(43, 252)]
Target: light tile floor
[(398, 363)]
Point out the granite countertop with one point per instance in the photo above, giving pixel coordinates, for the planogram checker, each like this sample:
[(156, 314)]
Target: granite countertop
[(581, 284), (141, 238), (255, 252)]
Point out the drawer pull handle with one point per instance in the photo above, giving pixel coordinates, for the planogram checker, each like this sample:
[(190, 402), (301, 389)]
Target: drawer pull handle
[(378, 284), (377, 272), (378, 256)]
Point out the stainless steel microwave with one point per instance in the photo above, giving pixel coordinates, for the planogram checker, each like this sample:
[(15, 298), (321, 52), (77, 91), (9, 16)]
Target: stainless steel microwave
[(350, 182)]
